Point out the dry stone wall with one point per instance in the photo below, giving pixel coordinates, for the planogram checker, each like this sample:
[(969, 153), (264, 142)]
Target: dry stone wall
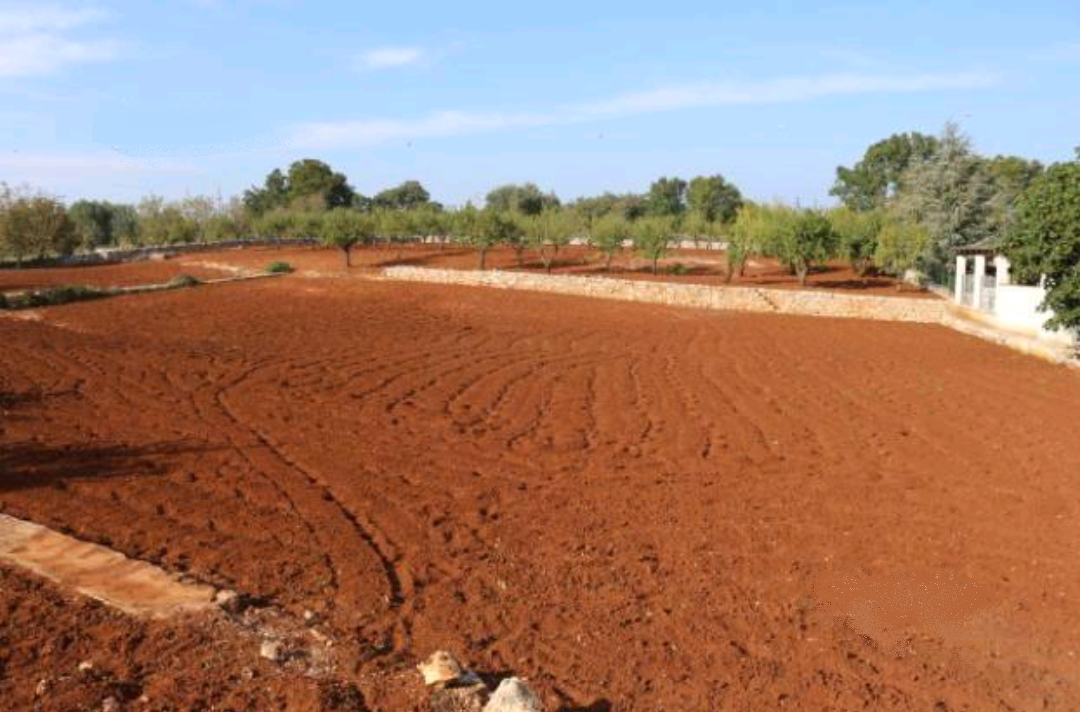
[(777, 301)]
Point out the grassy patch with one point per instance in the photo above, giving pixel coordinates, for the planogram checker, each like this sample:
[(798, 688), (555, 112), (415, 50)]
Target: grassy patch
[(279, 268)]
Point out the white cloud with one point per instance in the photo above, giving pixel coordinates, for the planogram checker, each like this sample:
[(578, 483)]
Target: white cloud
[(25, 18), (366, 132), (36, 40), (30, 167), (36, 54), (389, 57)]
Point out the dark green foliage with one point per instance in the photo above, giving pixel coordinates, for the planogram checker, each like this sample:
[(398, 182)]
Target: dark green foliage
[(1046, 240), (667, 197), (526, 199), (857, 236), (54, 296), (877, 176), (713, 199), (93, 223), (36, 226), (628, 207), (309, 181), (273, 194), (410, 195), (279, 268)]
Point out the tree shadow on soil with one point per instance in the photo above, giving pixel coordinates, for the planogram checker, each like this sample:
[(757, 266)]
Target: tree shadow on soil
[(12, 400), (30, 464), (425, 259)]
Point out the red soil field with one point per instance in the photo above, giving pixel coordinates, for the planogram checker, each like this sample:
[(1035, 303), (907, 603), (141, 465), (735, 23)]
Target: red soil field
[(634, 507), (126, 274), (701, 266)]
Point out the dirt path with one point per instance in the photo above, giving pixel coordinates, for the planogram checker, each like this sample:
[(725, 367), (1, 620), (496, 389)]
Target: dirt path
[(627, 504)]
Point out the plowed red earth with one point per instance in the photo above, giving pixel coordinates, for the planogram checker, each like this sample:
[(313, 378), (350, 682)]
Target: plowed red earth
[(634, 507), (695, 266), (125, 274)]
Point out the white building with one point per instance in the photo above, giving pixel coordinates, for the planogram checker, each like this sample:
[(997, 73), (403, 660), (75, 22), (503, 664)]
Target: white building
[(984, 289)]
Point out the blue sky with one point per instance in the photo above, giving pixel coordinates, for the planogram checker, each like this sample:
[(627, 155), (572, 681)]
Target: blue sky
[(116, 100)]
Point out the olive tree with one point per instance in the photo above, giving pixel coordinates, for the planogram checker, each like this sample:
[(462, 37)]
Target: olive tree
[(37, 225), (857, 236), (608, 234), (550, 231), (799, 238), (484, 229), (651, 235), (343, 228), (901, 244), (748, 236)]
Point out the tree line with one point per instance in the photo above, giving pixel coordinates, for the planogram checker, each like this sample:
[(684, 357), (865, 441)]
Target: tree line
[(905, 205)]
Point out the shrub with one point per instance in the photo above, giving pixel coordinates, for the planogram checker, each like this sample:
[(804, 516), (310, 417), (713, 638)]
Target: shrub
[(279, 268), (55, 296), (679, 269), (182, 280)]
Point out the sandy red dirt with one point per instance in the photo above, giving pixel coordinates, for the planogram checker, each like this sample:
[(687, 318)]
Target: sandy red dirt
[(125, 274), (635, 507), (700, 266)]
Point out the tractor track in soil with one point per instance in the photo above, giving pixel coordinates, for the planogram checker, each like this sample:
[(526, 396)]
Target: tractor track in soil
[(621, 502)]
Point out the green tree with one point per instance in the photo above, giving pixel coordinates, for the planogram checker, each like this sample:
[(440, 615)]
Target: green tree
[(749, 234), (526, 199), (93, 223), (344, 228), (410, 195), (713, 198), (880, 173), (902, 243), (799, 239), (37, 225), (608, 234), (1009, 176), (221, 227), (311, 177), (462, 224), (273, 194), (651, 236), (392, 225), (125, 225), (857, 235), (274, 224), (667, 197), (309, 182), (492, 227), (550, 231), (198, 210), (1045, 243), (950, 194), (431, 221)]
